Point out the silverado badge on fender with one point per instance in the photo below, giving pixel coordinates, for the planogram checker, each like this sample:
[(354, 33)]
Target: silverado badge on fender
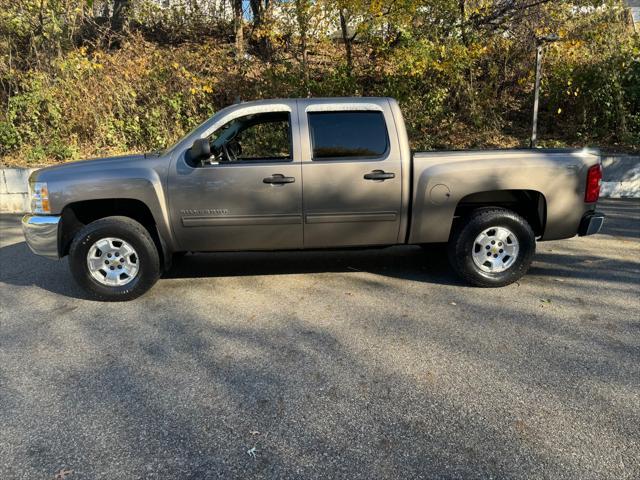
[(204, 211)]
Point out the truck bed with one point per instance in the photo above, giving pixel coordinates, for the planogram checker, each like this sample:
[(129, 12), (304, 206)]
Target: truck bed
[(442, 180)]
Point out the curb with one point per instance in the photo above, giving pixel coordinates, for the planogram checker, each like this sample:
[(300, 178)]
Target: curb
[(621, 179)]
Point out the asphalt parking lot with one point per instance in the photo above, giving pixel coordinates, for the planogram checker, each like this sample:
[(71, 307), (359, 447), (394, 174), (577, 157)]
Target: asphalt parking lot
[(357, 365)]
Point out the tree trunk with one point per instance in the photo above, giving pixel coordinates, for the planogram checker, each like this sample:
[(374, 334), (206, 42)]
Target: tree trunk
[(302, 16), (239, 34), (259, 12), (346, 40), (120, 16), (463, 21), (621, 123), (305, 64)]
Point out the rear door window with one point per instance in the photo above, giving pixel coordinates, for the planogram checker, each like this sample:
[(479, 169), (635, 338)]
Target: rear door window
[(348, 135)]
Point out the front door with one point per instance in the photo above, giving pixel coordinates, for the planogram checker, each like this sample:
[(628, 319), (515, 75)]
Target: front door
[(248, 194), (352, 175)]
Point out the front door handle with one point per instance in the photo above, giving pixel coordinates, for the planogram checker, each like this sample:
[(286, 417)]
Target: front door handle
[(379, 175), (278, 179)]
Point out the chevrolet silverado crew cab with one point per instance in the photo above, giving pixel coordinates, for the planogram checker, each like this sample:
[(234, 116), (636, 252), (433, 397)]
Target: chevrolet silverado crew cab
[(307, 174)]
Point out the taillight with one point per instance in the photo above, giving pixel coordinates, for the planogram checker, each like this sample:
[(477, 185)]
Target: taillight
[(594, 178)]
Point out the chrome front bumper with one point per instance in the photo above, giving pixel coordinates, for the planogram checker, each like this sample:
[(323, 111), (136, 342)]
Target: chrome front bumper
[(41, 232)]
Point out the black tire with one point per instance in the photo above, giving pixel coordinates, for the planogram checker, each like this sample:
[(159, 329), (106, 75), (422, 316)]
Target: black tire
[(128, 230), (462, 240)]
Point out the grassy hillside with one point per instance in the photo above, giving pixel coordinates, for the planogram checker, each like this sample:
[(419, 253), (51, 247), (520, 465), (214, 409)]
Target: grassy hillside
[(81, 79)]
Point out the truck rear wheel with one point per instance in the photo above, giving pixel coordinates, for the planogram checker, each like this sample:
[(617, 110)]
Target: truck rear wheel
[(492, 247), (114, 259)]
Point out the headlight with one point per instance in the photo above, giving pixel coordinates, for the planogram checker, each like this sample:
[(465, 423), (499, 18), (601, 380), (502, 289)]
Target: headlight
[(39, 198)]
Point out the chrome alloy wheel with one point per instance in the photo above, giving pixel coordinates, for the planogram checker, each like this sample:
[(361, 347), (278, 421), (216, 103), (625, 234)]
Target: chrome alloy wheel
[(495, 249), (113, 262)]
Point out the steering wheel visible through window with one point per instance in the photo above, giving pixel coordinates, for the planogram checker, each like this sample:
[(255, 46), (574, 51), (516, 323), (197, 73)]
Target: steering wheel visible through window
[(232, 150), (258, 137)]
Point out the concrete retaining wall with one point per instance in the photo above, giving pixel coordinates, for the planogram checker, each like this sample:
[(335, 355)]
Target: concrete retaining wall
[(621, 176), (621, 180), (14, 190)]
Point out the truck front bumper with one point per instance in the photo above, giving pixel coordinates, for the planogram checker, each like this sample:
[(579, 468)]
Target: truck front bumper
[(591, 224), (41, 232)]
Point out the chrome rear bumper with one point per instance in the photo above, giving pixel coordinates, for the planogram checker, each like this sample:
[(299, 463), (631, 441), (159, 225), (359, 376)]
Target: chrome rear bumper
[(591, 224), (41, 233)]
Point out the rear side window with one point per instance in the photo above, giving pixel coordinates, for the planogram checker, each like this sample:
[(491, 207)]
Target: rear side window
[(348, 135)]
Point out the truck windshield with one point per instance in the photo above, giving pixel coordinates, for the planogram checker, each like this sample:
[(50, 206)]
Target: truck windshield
[(193, 130)]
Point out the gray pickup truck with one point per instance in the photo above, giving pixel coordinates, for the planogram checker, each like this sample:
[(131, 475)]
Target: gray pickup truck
[(307, 174)]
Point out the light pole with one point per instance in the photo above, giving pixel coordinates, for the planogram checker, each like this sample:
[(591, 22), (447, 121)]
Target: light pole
[(540, 42)]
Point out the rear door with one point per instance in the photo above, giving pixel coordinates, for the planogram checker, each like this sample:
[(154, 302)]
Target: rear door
[(351, 168)]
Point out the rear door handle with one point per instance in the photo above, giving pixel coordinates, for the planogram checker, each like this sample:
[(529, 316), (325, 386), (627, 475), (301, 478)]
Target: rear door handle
[(379, 175), (278, 179)]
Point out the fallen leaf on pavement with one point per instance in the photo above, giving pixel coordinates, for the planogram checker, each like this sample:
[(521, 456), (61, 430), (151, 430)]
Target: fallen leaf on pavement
[(62, 474)]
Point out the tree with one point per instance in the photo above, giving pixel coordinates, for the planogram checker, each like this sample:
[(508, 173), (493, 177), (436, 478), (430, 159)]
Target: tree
[(261, 30), (302, 8), (238, 24), (120, 15), (347, 39)]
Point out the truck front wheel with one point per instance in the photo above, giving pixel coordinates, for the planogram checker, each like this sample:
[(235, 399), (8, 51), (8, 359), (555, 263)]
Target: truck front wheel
[(114, 259), (492, 247)]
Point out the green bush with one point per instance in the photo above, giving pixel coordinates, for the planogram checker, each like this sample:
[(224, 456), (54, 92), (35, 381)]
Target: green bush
[(461, 84)]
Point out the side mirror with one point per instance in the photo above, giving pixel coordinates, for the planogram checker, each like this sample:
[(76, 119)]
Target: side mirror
[(201, 149)]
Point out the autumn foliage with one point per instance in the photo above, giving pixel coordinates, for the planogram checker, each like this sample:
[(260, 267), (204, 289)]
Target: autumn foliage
[(80, 79)]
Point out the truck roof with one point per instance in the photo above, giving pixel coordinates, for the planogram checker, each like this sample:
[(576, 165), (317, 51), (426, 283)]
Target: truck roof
[(319, 99)]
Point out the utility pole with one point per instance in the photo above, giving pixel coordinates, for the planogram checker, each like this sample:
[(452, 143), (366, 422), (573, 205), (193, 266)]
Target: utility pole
[(536, 96)]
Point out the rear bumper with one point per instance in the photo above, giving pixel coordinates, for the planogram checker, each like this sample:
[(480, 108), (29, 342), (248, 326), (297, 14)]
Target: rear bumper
[(591, 224), (41, 233)]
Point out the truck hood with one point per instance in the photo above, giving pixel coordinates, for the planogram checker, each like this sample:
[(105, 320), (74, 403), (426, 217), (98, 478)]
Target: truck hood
[(85, 166), (126, 176), (94, 162)]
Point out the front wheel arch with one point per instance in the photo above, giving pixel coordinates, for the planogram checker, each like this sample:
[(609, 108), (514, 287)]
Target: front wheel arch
[(77, 215)]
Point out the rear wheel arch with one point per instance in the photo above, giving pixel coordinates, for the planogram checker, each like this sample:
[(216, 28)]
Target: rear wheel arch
[(529, 204)]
